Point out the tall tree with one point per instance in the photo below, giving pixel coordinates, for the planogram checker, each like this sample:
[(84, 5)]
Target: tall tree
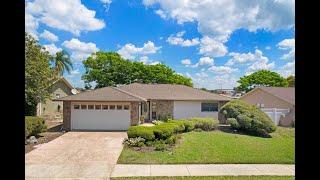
[(62, 62), (38, 74), (109, 69), (261, 78), (291, 81)]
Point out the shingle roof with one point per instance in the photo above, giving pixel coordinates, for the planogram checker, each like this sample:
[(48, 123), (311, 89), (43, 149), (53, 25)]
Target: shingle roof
[(287, 94), (143, 92), (170, 92), (102, 94)]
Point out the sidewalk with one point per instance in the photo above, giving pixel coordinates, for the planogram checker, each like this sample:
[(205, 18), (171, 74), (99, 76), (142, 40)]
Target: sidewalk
[(129, 170)]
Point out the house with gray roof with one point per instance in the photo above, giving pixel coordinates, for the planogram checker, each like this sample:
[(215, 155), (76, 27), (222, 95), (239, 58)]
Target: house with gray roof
[(117, 108)]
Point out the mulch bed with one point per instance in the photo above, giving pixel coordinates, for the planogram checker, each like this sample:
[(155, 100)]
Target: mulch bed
[(52, 133)]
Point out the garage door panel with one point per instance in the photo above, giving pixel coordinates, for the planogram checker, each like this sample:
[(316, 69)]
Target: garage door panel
[(100, 119)]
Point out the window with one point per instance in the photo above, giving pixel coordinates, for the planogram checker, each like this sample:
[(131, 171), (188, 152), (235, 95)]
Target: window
[(104, 107), (83, 106), (262, 105), (57, 95), (209, 107), (76, 106), (90, 106), (98, 106), (119, 107), (125, 107), (112, 107)]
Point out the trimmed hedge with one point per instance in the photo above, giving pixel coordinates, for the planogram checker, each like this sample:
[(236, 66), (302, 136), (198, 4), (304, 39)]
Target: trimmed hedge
[(249, 118), (34, 126), (206, 124), (165, 131), (141, 131)]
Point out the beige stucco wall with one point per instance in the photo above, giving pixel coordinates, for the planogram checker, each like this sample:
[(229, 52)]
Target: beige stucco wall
[(270, 101), (50, 108)]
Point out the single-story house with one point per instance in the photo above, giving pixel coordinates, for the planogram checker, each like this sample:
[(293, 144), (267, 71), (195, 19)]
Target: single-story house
[(53, 109), (116, 108), (277, 102)]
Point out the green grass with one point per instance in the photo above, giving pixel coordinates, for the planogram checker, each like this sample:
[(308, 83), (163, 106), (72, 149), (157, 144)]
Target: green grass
[(211, 177), (221, 147)]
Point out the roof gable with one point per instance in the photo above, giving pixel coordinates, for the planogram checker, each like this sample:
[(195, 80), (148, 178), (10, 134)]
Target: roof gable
[(284, 93)]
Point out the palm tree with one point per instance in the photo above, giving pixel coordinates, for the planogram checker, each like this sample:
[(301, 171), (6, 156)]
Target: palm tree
[(62, 62)]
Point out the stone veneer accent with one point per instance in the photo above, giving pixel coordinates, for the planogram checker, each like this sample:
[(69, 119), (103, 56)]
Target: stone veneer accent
[(163, 107), (67, 115), (134, 113)]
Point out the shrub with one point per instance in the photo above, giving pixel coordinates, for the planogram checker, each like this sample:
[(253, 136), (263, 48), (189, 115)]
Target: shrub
[(197, 130), (156, 122), (134, 142), (205, 124), (250, 118), (178, 125), (141, 131), (188, 125), (171, 140), (160, 146), (233, 123), (34, 125), (164, 117), (164, 131)]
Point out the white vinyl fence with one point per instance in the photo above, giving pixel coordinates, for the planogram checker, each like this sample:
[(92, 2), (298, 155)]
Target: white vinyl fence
[(275, 114)]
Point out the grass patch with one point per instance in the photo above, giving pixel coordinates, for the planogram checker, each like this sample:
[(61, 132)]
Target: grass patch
[(221, 148), (211, 177)]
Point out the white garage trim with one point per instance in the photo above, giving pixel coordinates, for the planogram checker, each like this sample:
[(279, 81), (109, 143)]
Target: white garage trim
[(100, 119), (187, 109)]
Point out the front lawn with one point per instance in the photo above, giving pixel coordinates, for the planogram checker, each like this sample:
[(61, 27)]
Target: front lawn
[(210, 177), (221, 147)]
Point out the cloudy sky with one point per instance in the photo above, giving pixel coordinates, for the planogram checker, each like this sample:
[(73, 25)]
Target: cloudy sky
[(214, 42)]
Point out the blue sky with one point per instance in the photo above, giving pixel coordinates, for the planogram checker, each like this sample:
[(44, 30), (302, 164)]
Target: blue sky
[(212, 42)]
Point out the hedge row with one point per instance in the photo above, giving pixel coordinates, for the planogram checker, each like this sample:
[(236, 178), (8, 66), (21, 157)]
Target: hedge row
[(164, 131), (34, 126)]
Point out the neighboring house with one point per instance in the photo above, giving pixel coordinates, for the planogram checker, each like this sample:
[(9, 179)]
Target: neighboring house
[(116, 108), (277, 102), (53, 109)]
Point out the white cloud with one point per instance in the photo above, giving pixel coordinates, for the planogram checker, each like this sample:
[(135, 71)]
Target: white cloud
[(268, 47), (222, 69), (73, 73), (202, 75), (31, 25), (261, 64), (176, 39), (49, 36), (145, 60), (243, 58), (67, 15), (52, 49), (288, 44), (186, 62), (161, 14), (80, 50), (220, 18), (106, 4), (211, 47), (288, 69), (205, 61), (129, 51)]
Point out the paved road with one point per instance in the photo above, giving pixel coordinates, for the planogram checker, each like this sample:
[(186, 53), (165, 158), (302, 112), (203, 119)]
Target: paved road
[(75, 155)]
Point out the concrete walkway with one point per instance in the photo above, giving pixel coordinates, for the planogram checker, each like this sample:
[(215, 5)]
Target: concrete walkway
[(122, 170)]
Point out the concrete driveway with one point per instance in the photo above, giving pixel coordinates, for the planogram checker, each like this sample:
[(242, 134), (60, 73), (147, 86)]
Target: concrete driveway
[(76, 155)]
